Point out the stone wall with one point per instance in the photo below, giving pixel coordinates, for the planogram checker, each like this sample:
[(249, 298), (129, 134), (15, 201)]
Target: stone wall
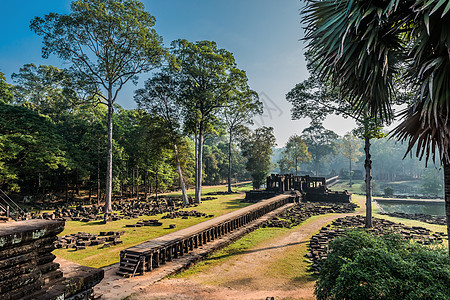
[(27, 269)]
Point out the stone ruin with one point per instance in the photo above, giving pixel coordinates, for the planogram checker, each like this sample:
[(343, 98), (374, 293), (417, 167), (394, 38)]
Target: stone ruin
[(81, 240), (319, 242), (27, 269), (311, 189)]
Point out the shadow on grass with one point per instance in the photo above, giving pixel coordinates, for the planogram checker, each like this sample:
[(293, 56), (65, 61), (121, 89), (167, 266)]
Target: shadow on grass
[(254, 251), (99, 222), (306, 278), (233, 204)]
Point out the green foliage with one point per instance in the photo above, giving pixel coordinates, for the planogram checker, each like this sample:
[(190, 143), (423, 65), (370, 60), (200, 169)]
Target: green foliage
[(108, 42), (350, 147), (257, 148), (6, 95), (294, 153), (30, 146), (388, 191), (43, 89), (432, 183), (321, 143), (364, 266), (355, 50)]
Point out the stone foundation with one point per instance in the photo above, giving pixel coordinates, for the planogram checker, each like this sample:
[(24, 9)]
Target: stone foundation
[(27, 270)]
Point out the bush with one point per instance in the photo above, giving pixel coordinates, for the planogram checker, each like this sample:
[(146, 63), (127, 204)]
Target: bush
[(365, 266), (388, 191)]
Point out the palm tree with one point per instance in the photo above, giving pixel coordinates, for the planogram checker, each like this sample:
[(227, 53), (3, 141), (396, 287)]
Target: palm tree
[(426, 121), (353, 46)]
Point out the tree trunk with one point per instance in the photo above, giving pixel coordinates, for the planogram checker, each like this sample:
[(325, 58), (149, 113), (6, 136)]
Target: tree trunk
[(108, 207), (198, 191), (296, 166), (137, 182), (317, 168), (447, 202), (368, 167), (350, 172), (229, 162), (145, 185), (132, 182), (196, 161), (99, 191), (156, 185), (180, 175)]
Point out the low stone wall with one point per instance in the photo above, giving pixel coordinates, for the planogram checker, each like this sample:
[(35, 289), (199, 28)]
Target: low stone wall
[(258, 195), (328, 196), (319, 242), (27, 269), (437, 220)]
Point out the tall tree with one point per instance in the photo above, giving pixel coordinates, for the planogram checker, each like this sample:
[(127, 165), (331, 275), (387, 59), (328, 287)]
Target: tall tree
[(356, 50), (108, 43), (295, 152), (208, 75), (160, 97), (425, 123), (244, 105), (258, 148), (350, 149), (321, 143)]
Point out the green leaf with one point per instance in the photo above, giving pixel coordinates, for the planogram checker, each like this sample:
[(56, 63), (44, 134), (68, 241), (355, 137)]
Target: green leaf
[(426, 19), (437, 6), (447, 8)]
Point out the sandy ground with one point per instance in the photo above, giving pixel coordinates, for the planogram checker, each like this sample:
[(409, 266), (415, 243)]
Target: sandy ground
[(246, 276)]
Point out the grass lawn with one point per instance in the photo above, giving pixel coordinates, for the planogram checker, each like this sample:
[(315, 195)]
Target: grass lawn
[(97, 257), (291, 265), (345, 185)]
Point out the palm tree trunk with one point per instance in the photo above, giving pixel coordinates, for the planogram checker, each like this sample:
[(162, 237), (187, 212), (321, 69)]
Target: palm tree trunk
[(368, 167), (447, 202)]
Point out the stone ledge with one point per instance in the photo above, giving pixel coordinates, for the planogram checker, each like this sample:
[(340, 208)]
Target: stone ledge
[(14, 233)]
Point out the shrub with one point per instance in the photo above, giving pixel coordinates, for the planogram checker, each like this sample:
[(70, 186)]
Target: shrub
[(388, 191), (365, 266)]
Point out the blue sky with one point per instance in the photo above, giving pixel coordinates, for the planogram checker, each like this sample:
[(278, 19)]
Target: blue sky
[(263, 35)]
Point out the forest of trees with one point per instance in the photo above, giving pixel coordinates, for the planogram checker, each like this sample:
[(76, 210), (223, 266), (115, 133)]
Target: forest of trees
[(61, 130)]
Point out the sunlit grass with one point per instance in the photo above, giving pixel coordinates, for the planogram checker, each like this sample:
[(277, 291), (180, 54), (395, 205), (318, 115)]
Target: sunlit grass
[(96, 256)]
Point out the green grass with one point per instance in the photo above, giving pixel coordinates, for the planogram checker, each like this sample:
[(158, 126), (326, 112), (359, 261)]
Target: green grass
[(342, 185), (241, 246), (292, 264), (97, 257)]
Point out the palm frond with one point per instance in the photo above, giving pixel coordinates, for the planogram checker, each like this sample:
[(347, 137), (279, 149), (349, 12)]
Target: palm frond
[(356, 48)]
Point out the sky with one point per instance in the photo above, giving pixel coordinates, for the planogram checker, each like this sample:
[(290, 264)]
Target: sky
[(263, 35)]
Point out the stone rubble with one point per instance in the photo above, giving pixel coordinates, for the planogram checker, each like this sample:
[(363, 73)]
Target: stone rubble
[(319, 242)]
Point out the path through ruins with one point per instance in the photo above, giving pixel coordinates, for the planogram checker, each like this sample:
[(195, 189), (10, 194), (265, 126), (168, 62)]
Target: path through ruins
[(246, 276)]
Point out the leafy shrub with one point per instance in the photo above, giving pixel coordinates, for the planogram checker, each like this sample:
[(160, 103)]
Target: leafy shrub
[(388, 191), (364, 266)]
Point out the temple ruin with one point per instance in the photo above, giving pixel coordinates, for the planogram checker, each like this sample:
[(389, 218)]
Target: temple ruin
[(310, 189)]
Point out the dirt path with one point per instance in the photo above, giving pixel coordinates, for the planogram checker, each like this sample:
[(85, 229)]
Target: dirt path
[(247, 276)]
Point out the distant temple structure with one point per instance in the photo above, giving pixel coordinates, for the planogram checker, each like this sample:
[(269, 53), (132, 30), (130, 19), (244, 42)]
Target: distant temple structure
[(309, 189)]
